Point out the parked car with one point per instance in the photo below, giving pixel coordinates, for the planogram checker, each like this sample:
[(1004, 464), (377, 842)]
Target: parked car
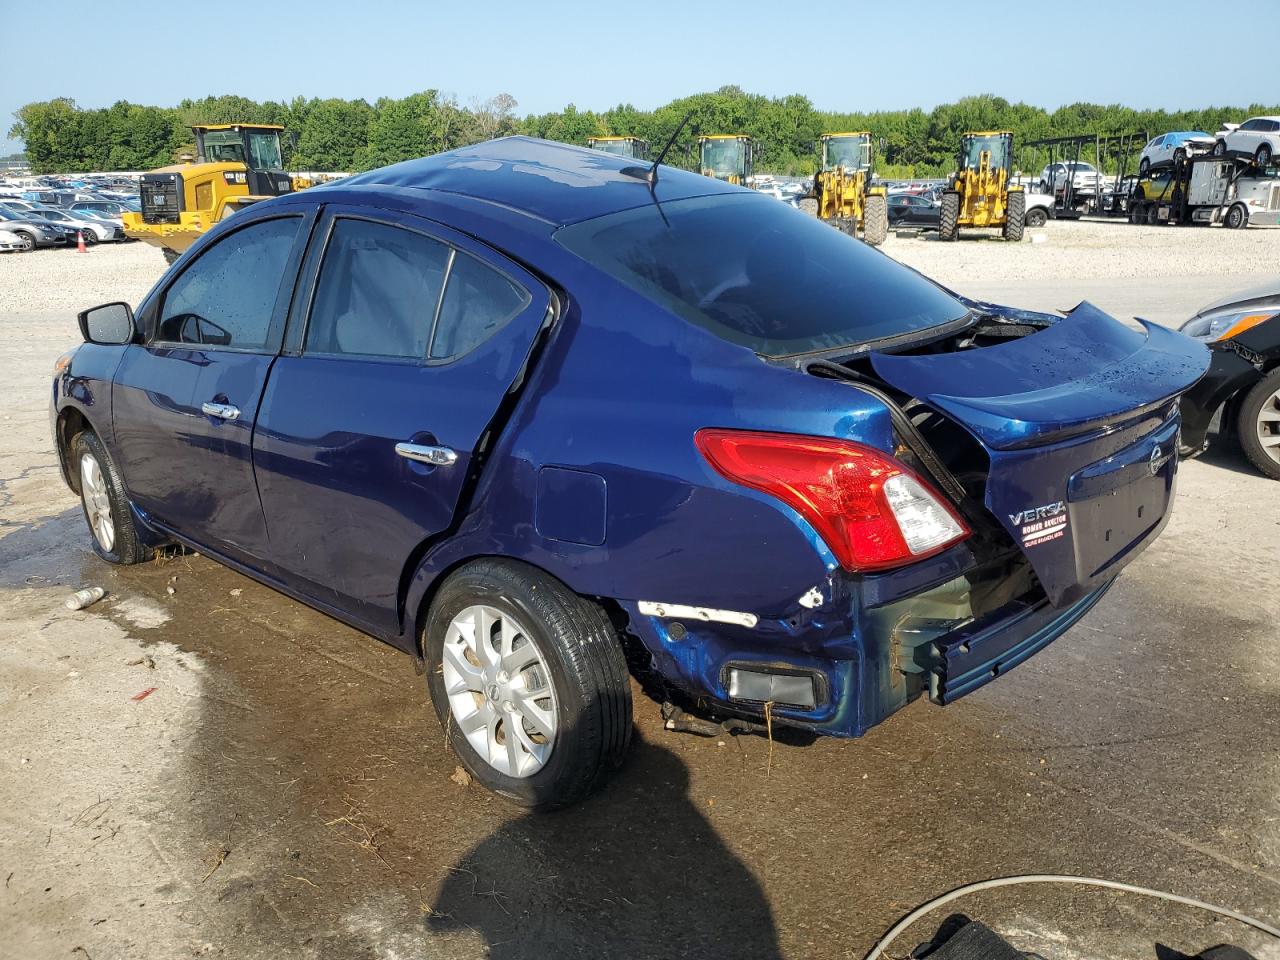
[(1039, 207), (1242, 388), (1084, 178), (502, 421), (1173, 147), (33, 231), (110, 206), (93, 229), (1257, 137), (906, 209), (10, 242)]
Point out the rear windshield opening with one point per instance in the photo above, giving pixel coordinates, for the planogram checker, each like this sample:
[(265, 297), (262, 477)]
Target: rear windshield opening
[(761, 274)]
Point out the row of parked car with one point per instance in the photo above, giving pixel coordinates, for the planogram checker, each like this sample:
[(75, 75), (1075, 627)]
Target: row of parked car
[(31, 218)]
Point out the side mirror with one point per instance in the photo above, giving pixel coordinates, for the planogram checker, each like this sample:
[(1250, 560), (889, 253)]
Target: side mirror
[(109, 325)]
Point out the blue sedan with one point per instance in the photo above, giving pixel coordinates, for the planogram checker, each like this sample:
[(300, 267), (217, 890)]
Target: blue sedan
[(516, 408)]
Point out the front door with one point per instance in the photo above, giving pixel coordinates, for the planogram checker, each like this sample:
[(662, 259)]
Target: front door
[(184, 403), (393, 371)]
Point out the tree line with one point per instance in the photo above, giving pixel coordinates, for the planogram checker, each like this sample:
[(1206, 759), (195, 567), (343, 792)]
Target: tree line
[(351, 135)]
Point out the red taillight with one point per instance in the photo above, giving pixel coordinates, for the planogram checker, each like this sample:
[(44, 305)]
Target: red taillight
[(871, 510)]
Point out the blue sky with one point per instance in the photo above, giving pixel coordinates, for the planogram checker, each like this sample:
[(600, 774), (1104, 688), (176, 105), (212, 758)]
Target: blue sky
[(548, 53)]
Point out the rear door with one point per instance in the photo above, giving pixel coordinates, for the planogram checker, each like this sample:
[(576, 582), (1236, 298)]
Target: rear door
[(394, 368), (184, 402)]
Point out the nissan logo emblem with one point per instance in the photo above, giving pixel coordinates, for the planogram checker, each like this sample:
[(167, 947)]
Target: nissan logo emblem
[(1156, 461)]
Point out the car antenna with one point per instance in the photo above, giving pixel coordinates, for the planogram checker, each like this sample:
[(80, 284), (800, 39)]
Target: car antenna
[(650, 175)]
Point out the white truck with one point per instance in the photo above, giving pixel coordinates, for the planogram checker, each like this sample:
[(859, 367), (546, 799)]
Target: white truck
[(1207, 189)]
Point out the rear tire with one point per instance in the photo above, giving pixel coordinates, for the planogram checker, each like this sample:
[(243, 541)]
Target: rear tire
[(1144, 168), (1220, 148), (949, 216), (104, 502), (90, 238), (1262, 401), (1015, 215), (1263, 157), (1153, 214), (579, 662), (1036, 217), (170, 256), (875, 220)]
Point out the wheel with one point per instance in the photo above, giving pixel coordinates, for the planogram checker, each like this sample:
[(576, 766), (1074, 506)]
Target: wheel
[(1258, 424), (1263, 156), (27, 241), (1237, 217), (875, 220), (1144, 167), (1015, 215), (1220, 148), (529, 681), (1044, 187), (1036, 217), (170, 256), (1179, 155), (949, 216), (90, 238), (1153, 214), (102, 497)]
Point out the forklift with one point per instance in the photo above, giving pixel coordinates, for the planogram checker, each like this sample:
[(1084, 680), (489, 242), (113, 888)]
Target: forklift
[(978, 193), (236, 164), (633, 148), (726, 156), (842, 187)]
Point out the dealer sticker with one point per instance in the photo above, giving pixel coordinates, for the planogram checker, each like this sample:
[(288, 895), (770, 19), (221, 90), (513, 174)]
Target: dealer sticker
[(1041, 524)]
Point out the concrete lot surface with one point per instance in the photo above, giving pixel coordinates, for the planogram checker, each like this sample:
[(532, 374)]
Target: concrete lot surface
[(284, 791)]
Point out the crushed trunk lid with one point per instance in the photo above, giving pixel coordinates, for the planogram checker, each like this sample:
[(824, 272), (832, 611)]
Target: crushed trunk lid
[(1080, 427)]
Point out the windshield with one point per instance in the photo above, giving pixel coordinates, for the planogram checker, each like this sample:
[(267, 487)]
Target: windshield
[(723, 158), (998, 147), (757, 273), (621, 148), (852, 153), (264, 151), (223, 146)]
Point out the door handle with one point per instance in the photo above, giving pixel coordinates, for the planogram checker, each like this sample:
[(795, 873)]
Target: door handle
[(437, 456), (224, 411)]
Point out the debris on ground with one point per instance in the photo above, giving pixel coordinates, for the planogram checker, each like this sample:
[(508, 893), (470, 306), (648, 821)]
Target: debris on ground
[(138, 697), (460, 777), (218, 860), (142, 662), (83, 598)]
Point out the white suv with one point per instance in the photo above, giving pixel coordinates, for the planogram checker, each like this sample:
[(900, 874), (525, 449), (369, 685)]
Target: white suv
[(1257, 137)]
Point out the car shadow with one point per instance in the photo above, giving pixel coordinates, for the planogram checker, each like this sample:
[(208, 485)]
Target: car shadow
[(635, 871)]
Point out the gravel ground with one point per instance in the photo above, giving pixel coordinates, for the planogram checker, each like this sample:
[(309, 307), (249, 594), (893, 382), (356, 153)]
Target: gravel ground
[(219, 771)]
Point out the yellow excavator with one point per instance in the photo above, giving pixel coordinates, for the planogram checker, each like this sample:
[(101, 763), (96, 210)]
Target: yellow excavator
[(633, 148), (236, 164), (843, 188), (726, 156), (979, 194)]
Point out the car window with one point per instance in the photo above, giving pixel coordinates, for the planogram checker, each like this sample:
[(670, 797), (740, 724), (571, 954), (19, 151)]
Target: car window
[(1273, 125), (1249, 125), (377, 293), (755, 273), (226, 297), (478, 301)]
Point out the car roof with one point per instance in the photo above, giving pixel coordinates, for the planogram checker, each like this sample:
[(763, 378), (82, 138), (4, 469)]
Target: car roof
[(553, 182)]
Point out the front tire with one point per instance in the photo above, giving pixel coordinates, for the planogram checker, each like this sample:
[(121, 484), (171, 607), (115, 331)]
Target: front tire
[(27, 240), (170, 256), (1036, 217), (1015, 216), (949, 216), (1258, 425), (1144, 167), (1263, 157), (1237, 217), (529, 681), (1220, 148), (875, 220), (104, 502)]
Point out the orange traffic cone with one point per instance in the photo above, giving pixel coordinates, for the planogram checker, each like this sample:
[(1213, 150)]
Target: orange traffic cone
[(80, 242)]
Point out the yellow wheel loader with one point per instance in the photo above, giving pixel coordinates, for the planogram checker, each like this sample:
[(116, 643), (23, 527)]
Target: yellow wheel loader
[(236, 164), (843, 188), (726, 156), (979, 194), (631, 147)]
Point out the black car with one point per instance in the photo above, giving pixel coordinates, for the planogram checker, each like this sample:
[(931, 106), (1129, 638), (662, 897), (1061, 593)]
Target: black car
[(1243, 382), (906, 209)]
